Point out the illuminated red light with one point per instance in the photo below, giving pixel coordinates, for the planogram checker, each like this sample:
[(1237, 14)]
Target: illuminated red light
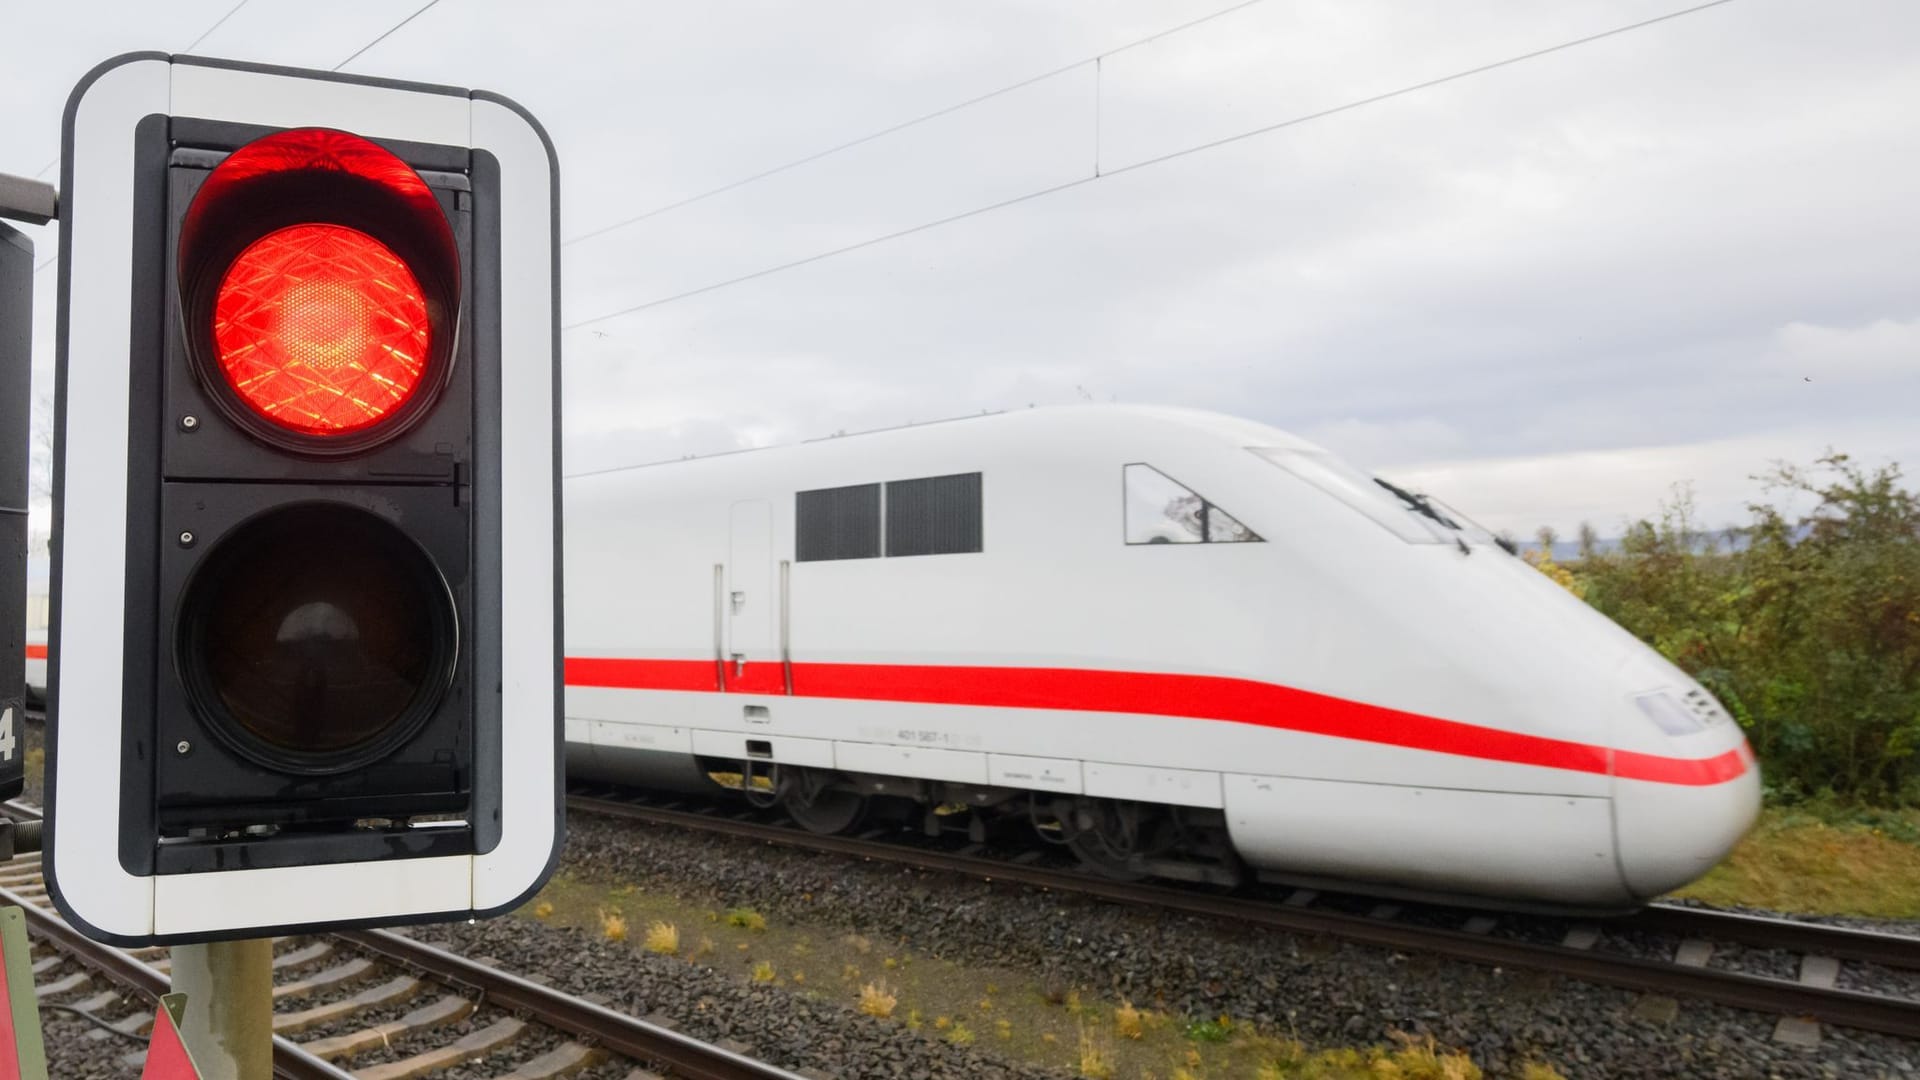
[(318, 150), (321, 329)]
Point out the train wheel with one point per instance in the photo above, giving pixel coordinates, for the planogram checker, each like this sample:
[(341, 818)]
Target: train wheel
[(1105, 838), (821, 809)]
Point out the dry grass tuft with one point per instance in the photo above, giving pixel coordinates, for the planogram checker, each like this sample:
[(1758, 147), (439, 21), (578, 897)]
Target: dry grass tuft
[(543, 910), (662, 938), (1540, 1070), (961, 1035), (1415, 1058), (704, 949), (613, 925), (1128, 1022), (1420, 1058), (763, 972), (876, 999), (1096, 1056), (1004, 1029)]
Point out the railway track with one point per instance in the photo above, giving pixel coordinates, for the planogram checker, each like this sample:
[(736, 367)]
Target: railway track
[(366, 977), (1582, 949)]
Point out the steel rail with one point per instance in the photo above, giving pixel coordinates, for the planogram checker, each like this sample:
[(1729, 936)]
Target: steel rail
[(289, 1061), (1821, 939), (623, 1034), (1846, 1008)]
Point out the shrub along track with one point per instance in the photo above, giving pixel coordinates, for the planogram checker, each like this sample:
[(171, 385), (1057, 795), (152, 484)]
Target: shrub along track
[(372, 980), (1675, 944)]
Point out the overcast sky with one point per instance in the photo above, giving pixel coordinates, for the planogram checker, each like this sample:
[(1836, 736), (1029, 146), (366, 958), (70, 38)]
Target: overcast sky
[(1546, 293)]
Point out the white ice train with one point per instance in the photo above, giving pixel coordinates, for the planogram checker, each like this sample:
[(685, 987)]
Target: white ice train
[(1176, 642), (1179, 643), (36, 672)]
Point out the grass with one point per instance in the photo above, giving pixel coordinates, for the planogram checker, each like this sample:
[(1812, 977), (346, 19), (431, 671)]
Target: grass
[(1414, 1058), (877, 1000), (747, 919), (1211, 1031), (663, 938), (1822, 859), (1096, 1056), (613, 925)]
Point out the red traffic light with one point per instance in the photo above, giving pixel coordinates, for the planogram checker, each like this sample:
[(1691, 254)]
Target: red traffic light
[(321, 329), (320, 286)]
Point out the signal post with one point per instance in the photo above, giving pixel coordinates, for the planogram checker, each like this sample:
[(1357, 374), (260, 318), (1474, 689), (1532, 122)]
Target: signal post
[(304, 664)]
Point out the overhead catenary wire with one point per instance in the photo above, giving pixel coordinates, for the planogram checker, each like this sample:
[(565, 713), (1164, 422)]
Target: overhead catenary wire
[(216, 25), (384, 36), (903, 125), (1109, 173), (204, 34)]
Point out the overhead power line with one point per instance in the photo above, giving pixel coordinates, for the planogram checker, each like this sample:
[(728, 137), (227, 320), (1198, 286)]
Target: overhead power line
[(389, 33), (905, 124), (217, 23), (1266, 129)]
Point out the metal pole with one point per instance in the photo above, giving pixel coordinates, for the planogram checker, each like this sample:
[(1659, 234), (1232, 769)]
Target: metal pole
[(229, 1019)]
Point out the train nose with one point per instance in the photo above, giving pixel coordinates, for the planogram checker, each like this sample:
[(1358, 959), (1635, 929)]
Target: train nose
[(1679, 811)]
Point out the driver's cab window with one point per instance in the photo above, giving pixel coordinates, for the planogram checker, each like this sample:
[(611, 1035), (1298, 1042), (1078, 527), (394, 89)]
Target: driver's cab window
[(1161, 510)]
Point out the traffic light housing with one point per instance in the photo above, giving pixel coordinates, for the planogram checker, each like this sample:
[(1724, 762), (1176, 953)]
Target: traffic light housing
[(304, 652), (16, 337)]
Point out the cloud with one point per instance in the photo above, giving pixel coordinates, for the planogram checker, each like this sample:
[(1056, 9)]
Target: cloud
[(1884, 349), (1618, 263), (1609, 488), (1369, 443)]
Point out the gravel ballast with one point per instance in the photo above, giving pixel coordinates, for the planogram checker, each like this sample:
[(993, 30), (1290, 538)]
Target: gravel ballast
[(1324, 993)]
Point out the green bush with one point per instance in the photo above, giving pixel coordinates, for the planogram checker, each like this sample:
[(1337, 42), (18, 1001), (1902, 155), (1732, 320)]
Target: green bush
[(1810, 634)]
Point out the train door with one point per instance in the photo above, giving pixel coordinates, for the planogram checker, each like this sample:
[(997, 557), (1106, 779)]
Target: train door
[(752, 661)]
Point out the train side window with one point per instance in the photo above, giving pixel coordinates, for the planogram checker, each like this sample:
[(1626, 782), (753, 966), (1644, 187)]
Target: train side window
[(934, 515), (1161, 510), (837, 523)]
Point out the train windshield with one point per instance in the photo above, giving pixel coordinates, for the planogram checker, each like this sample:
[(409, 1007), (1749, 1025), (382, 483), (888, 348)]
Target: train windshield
[(1410, 517), (1470, 530)]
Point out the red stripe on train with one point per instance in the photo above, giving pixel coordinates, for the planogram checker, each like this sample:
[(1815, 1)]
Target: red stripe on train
[(36, 652), (1200, 697)]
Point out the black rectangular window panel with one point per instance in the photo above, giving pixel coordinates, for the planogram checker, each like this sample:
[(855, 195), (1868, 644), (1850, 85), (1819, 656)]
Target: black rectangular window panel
[(938, 515), (837, 523)]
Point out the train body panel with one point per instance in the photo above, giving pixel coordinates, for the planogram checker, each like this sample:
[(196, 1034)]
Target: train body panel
[(1362, 699)]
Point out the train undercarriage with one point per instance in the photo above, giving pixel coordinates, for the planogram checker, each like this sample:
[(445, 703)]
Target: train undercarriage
[(1117, 838)]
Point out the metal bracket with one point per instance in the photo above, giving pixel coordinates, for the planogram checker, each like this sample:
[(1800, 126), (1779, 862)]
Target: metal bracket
[(32, 201)]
